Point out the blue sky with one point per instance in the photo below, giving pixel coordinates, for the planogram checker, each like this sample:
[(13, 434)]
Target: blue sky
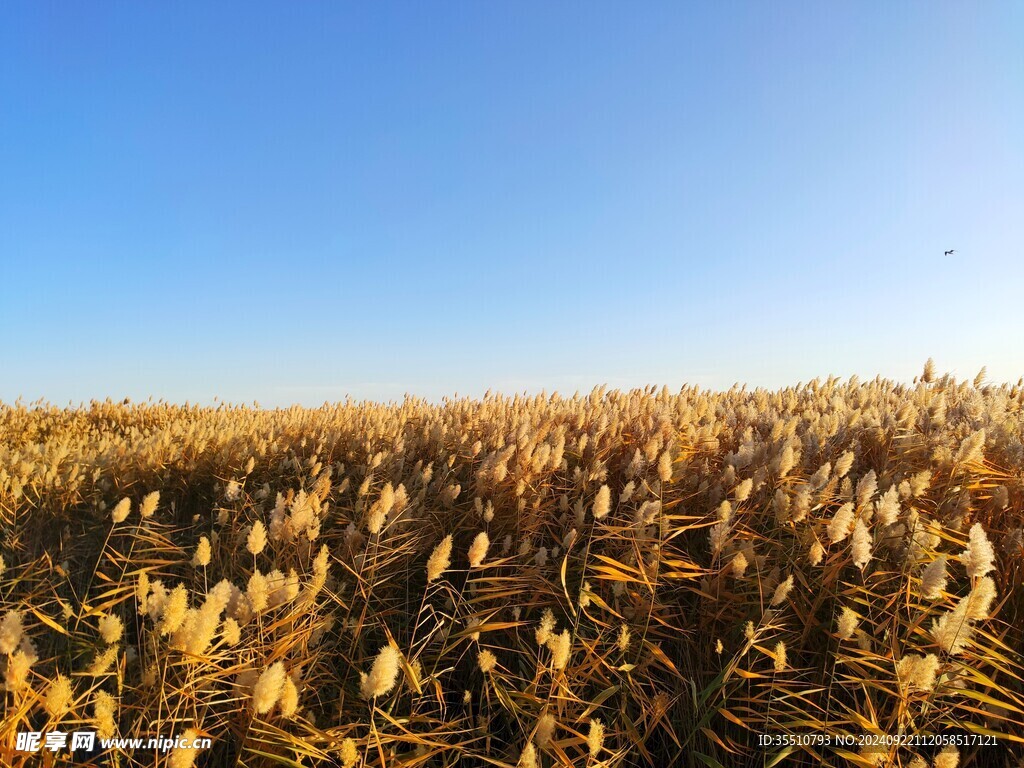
[(291, 202)]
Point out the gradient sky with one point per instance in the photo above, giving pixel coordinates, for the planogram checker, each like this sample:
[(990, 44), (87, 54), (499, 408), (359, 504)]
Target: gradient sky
[(291, 202)]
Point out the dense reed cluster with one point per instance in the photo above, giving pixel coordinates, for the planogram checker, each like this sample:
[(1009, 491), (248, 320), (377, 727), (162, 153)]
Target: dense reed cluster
[(645, 578)]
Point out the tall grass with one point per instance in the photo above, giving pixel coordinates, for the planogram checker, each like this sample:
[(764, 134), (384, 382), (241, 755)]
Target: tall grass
[(640, 578)]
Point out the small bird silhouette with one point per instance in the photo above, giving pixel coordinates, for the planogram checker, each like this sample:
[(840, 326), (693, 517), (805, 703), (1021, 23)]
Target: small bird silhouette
[(950, 252)]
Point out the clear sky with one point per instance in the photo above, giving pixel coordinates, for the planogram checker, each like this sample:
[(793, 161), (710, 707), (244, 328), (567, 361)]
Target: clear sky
[(291, 202)]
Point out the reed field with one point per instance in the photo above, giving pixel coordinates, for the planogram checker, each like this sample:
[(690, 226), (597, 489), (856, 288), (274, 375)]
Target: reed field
[(645, 578)]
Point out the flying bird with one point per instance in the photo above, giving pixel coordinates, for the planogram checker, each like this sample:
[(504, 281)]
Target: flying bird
[(950, 252)]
